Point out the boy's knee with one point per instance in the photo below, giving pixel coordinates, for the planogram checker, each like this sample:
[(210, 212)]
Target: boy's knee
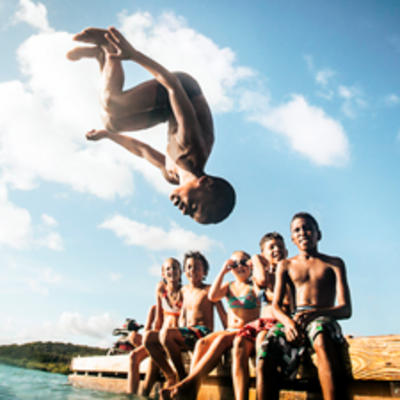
[(165, 337), (322, 343), (238, 345), (149, 338)]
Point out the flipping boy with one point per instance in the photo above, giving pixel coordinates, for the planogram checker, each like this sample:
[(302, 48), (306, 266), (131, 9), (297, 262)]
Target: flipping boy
[(175, 98), (322, 296)]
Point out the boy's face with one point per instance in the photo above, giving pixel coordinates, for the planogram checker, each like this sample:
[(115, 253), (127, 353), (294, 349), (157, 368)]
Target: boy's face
[(171, 270), (240, 265), (194, 199), (304, 234), (194, 270), (274, 250)]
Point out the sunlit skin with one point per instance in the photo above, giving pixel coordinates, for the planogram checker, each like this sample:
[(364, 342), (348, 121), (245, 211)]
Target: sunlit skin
[(318, 280), (171, 274), (197, 310), (209, 349), (190, 125), (264, 266)]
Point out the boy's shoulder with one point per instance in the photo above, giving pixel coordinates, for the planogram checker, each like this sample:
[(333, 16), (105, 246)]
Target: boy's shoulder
[(332, 260)]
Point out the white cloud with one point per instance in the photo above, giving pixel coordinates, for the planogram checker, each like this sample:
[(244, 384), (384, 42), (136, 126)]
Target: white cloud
[(170, 40), (353, 100), (33, 14), (43, 280), (135, 233), (49, 220), (115, 277), (52, 240), (308, 130), (392, 99), (323, 76), (69, 327), (16, 223)]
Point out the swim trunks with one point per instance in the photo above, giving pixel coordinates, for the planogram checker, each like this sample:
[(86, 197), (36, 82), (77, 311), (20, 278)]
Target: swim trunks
[(252, 329), (288, 355), (191, 334)]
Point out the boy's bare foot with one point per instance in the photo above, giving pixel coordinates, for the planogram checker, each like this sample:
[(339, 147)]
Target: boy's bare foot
[(83, 52), (179, 392), (92, 35), (97, 134)]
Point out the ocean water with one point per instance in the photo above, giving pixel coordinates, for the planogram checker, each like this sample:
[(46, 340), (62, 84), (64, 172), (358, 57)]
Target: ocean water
[(27, 384)]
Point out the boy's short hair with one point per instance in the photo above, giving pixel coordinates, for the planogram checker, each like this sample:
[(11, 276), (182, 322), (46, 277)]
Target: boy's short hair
[(269, 236), (306, 216), (197, 256), (223, 202)]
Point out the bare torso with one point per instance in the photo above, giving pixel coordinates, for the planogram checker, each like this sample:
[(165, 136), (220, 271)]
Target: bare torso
[(313, 279), (198, 308)]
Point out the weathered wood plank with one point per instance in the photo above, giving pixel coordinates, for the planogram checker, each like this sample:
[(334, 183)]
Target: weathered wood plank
[(375, 357), (101, 363), (113, 385)]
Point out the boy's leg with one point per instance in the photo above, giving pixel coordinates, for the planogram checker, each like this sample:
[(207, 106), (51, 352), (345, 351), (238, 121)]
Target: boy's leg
[(174, 343), (135, 358), (187, 388), (159, 356), (242, 349), (267, 378), (329, 368), (150, 378)]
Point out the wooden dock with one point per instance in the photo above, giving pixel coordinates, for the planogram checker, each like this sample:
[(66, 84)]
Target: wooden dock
[(374, 364)]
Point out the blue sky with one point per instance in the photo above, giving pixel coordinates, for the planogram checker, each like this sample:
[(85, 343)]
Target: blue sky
[(306, 101)]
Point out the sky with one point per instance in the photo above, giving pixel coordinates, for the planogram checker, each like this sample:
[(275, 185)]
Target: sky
[(306, 105)]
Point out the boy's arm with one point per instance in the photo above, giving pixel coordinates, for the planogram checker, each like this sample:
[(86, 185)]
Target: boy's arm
[(222, 313), (260, 276), (182, 316), (151, 317), (218, 290), (182, 107), (291, 330)]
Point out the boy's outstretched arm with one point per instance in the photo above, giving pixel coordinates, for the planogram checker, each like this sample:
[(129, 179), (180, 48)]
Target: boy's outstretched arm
[(136, 147), (182, 107)]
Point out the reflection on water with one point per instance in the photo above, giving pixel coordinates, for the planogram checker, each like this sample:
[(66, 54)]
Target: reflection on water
[(25, 384)]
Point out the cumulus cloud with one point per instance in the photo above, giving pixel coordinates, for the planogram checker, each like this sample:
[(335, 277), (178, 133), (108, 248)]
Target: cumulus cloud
[(307, 129), (16, 223), (323, 76), (170, 40), (33, 14), (49, 220), (68, 327), (353, 100), (134, 233)]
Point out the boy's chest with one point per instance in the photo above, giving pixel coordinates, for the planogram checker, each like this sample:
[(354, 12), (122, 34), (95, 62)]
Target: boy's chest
[(196, 298), (311, 274)]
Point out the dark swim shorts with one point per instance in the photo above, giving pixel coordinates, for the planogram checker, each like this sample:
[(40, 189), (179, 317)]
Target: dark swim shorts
[(193, 333), (288, 355)]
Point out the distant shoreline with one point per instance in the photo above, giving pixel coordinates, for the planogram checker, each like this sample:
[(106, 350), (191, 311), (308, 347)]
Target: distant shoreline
[(54, 357)]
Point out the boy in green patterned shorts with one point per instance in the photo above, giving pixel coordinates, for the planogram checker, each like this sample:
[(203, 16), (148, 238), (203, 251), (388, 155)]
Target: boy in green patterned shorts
[(322, 296)]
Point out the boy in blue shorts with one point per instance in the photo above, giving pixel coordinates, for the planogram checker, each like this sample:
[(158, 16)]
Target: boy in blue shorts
[(196, 321), (322, 296)]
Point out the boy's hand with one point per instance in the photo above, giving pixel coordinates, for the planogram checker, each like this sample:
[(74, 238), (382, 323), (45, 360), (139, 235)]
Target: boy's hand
[(291, 331), (123, 50), (304, 317), (97, 134)]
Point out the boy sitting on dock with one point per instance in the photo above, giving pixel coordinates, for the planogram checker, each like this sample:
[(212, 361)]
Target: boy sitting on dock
[(317, 281), (196, 321)]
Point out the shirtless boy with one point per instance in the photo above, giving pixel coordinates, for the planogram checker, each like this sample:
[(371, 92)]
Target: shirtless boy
[(250, 337), (175, 98), (196, 321), (321, 296)]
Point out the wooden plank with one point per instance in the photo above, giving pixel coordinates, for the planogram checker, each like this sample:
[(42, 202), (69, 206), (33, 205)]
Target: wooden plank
[(101, 363), (112, 385), (375, 357)]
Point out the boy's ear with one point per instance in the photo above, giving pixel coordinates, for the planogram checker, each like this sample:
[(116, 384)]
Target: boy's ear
[(285, 252), (319, 235)]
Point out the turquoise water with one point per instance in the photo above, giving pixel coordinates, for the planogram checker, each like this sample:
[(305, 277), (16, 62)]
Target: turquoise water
[(26, 384)]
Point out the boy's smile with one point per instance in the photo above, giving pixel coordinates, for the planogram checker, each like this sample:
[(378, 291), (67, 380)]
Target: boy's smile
[(304, 234), (274, 251)]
